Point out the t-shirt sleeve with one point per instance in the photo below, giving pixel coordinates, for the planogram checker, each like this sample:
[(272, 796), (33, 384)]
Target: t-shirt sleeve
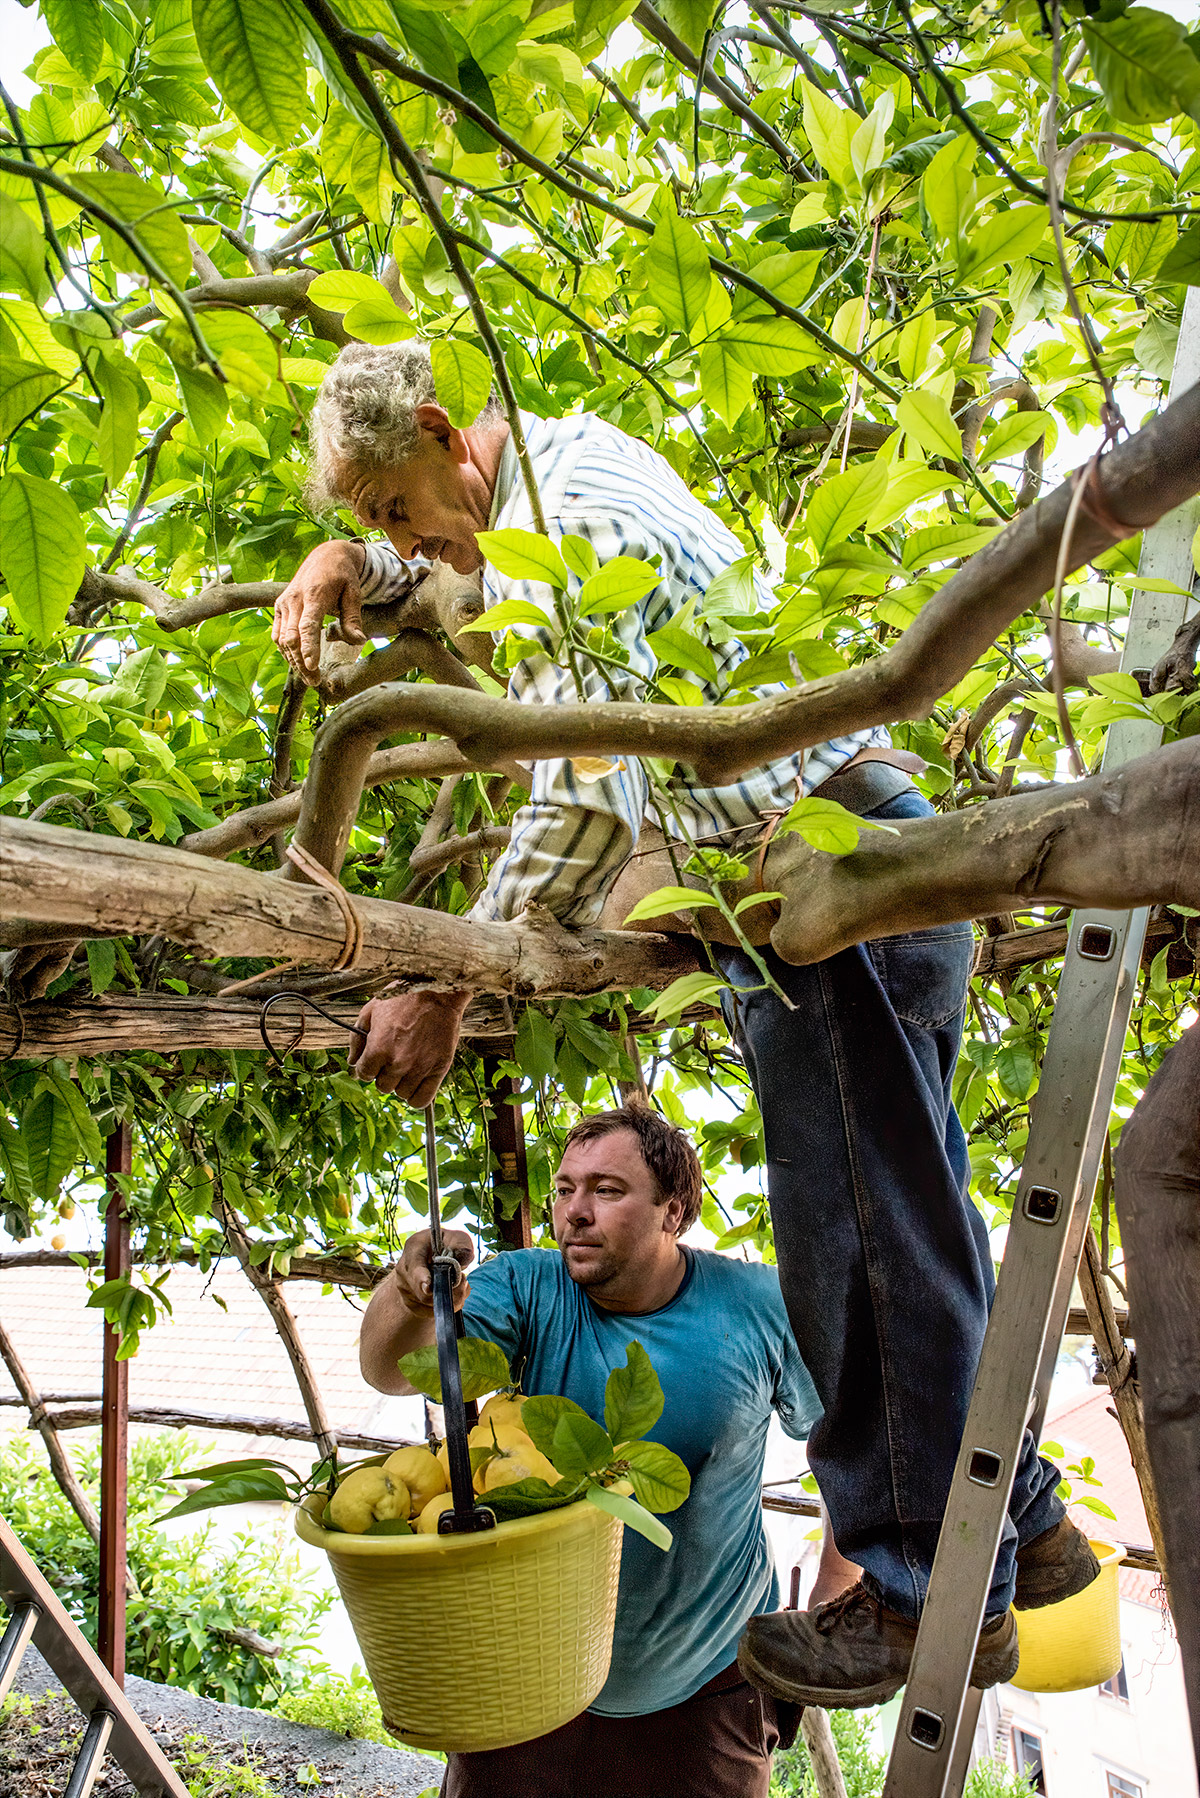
[(496, 1307), (795, 1398)]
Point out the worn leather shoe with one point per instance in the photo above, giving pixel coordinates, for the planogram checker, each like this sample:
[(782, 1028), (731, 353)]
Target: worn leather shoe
[(1054, 1566), (853, 1652)]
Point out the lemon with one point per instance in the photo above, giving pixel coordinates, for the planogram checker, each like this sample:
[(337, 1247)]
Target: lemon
[(515, 1464), (368, 1495), (504, 1408), (427, 1522), (487, 1435), (419, 1470)]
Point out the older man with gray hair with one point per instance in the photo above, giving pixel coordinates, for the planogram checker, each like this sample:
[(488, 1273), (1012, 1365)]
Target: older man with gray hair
[(884, 1262)]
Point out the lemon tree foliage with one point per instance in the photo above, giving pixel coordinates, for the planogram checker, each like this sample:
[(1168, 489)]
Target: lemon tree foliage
[(804, 252)]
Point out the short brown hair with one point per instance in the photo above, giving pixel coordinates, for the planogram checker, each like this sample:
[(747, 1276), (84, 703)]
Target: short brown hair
[(667, 1152)]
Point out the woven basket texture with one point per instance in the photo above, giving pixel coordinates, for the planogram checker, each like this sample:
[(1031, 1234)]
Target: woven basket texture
[(1076, 1643), (482, 1641)]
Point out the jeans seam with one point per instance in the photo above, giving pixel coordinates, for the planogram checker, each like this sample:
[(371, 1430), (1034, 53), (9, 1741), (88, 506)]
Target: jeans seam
[(857, 1184)]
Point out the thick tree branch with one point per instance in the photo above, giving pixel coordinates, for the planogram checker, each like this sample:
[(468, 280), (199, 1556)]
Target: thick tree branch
[(1143, 477), (288, 291)]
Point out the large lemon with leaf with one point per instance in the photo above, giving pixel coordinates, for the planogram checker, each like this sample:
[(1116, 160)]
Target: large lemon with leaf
[(369, 1495), (418, 1468)]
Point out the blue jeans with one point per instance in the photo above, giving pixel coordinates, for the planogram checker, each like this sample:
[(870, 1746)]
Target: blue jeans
[(883, 1259)]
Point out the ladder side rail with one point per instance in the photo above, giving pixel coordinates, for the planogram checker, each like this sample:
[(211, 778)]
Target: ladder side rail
[(1059, 1175), (59, 1640)]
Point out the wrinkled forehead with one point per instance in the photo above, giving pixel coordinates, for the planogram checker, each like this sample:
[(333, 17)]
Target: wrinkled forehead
[(369, 491)]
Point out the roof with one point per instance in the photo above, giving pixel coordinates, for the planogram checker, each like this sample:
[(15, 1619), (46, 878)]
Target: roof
[(1087, 1425), (217, 1351)]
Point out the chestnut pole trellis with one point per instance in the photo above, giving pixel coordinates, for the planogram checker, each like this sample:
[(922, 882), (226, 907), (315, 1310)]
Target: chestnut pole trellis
[(1124, 838)]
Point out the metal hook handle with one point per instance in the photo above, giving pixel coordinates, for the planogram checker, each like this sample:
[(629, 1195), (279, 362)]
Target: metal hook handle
[(301, 999)]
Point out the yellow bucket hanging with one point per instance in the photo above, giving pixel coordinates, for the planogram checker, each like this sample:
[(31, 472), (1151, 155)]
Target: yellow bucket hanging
[(485, 1639), (1076, 1643)]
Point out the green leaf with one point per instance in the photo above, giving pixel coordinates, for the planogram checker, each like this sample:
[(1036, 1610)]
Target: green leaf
[(620, 583), (121, 391), (509, 612), (767, 345), (914, 346), (524, 556), (580, 1445), (689, 989), (826, 825), (534, 1048), (75, 26), (484, 1369), (1007, 237), (149, 214), (682, 648), (841, 504), (635, 1516), (660, 1479), (526, 1498), (679, 280), (1013, 436), (44, 551), (22, 254), (540, 1417), (462, 375), (50, 1140), (633, 1396), (88, 1139), (829, 129), (1016, 1069), (254, 56), (24, 387), (389, 1526), (263, 1486), (1183, 262), (579, 556), (948, 189), (139, 683), (925, 418), (340, 288), (1145, 65), (725, 381), (668, 899), (205, 400), (102, 963), (689, 19), (378, 321)]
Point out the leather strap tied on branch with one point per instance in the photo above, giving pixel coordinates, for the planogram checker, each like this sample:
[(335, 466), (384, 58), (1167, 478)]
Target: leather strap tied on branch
[(351, 949)]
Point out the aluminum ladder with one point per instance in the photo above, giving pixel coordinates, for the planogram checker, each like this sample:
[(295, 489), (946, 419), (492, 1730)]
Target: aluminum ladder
[(934, 1736), (113, 1726)]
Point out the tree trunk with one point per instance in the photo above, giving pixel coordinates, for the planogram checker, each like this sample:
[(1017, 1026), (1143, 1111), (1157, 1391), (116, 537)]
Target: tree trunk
[(1158, 1203)]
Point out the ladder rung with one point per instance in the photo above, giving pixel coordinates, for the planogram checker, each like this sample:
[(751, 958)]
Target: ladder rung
[(91, 1754), (16, 1639)]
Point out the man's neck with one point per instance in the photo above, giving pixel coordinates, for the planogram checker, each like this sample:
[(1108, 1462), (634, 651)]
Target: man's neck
[(487, 449), (640, 1292)]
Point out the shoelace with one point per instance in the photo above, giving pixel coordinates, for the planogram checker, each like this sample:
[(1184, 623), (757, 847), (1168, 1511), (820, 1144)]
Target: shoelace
[(854, 1598)]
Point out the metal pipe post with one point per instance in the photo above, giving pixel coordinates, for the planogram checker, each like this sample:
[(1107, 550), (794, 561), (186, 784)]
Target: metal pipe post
[(506, 1139), (114, 1417)]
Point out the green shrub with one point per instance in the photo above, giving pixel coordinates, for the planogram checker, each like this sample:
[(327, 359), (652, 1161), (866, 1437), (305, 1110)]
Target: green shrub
[(864, 1769), (331, 1701), (191, 1591)]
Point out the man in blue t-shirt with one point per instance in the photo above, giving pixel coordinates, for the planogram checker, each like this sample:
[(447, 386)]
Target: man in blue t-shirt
[(675, 1718)]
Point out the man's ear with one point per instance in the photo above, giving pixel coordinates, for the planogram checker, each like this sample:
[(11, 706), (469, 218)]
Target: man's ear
[(672, 1211), (436, 421)]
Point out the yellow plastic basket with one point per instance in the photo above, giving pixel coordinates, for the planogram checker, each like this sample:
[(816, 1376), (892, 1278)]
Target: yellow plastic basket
[(484, 1640), (1069, 1646)]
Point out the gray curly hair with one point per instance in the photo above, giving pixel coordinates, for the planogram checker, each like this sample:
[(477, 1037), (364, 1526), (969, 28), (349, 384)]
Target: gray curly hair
[(364, 415)]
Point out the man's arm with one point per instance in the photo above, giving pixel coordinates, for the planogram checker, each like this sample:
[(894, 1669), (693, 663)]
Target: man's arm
[(399, 1317)]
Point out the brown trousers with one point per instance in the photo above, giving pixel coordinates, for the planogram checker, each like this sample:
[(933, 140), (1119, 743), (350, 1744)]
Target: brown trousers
[(717, 1744)]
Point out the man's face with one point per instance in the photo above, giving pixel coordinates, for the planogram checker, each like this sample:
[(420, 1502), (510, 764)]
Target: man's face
[(606, 1221), (434, 504)]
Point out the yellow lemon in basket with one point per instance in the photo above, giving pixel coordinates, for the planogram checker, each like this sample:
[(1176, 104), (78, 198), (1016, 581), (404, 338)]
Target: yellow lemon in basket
[(427, 1522), (367, 1496), (419, 1470), (487, 1435), (515, 1464), (504, 1408)]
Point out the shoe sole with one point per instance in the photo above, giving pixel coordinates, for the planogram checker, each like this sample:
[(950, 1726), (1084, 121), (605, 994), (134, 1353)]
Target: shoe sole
[(830, 1698), (838, 1698), (1024, 1600)]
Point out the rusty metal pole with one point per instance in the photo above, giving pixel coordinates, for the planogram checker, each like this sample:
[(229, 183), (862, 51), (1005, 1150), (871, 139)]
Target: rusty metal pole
[(506, 1139), (114, 1418)]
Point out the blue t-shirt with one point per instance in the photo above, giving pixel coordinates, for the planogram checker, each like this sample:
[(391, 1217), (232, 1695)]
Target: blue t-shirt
[(726, 1358)]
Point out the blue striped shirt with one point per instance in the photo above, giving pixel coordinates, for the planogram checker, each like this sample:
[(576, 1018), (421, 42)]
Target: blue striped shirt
[(571, 839)]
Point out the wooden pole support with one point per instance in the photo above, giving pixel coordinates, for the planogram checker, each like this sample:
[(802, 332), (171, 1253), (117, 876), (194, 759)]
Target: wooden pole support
[(506, 1139)]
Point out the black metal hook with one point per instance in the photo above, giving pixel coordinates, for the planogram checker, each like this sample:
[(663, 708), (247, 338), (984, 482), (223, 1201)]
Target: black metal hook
[(303, 999)]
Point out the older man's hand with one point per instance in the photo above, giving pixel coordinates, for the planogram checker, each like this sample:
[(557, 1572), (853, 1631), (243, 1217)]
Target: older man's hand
[(326, 585), (410, 1043)]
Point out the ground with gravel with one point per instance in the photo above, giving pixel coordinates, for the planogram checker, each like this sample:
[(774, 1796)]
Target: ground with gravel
[(220, 1750)]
